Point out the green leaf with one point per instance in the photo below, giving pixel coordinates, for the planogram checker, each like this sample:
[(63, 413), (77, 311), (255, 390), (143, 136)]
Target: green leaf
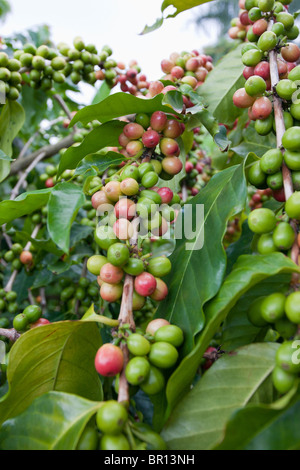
[(25, 204), (248, 271), (11, 121), (64, 203), (99, 162), (252, 142), (122, 104), (265, 427), (198, 269), (199, 420), (102, 93), (54, 421), (106, 135), (220, 86), (57, 357)]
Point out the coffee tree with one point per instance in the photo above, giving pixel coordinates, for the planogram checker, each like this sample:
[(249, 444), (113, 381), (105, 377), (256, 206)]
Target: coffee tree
[(149, 254)]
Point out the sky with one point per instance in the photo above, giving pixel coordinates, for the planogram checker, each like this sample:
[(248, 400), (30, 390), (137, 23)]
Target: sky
[(113, 22)]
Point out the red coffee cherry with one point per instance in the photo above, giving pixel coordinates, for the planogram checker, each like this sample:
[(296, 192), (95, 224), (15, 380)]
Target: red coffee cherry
[(242, 100), (111, 274), (155, 325), (158, 121), (291, 52), (40, 322), (151, 139), (262, 70), (262, 108), (125, 209), (249, 72), (172, 129), (166, 65), (172, 165), (109, 360), (161, 291), (99, 198), (259, 27), (145, 284), (133, 131), (155, 88), (166, 195)]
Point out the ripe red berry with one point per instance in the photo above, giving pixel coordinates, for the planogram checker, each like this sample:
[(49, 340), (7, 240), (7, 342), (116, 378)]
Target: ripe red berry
[(49, 183), (172, 129), (111, 274), (158, 121), (145, 284), (166, 195), (109, 360), (40, 322), (262, 70), (242, 100), (189, 167), (151, 139), (262, 108), (125, 209), (26, 258), (133, 131), (249, 72)]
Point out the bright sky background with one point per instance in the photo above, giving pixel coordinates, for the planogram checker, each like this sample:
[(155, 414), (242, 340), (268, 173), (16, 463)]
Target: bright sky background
[(113, 22)]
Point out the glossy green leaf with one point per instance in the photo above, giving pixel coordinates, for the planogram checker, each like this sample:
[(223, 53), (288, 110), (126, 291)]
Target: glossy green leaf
[(248, 272), (102, 93), (54, 421), (199, 420), (99, 162), (198, 265), (106, 135), (59, 357), (252, 142), (220, 86), (265, 427), (11, 121), (64, 203), (122, 104), (25, 204)]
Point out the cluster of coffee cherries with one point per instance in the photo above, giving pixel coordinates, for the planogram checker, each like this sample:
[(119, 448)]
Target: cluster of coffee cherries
[(151, 133), (273, 235), (255, 94), (189, 68), (257, 197), (30, 318), (41, 67), (150, 355), (252, 11), (8, 302), (111, 270), (287, 369), (18, 257)]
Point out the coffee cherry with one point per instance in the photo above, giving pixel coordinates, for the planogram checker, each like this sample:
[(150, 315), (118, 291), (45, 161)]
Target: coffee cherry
[(166, 195), (291, 139), (286, 19), (283, 236), (273, 307), (172, 129), (158, 121), (105, 237), (149, 179), (255, 86), (145, 284), (285, 89), (262, 221), (252, 57), (151, 139), (89, 439), (33, 313), (161, 291), (154, 325), (39, 323), (26, 258), (283, 381), (262, 70), (111, 274), (133, 131), (131, 172), (267, 41), (129, 187), (262, 108), (154, 383), (159, 267), (241, 99), (20, 322), (163, 355), (172, 165), (265, 244), (292, 309), (285, 328), (125, 209), (134, 267), (113, 190), (259, 27), (271, 161), (275, 181), (265, 5), (169, 147), (118, 254), (137, 370), (111, 418), (109, 360), (134, 147), (256, 176), (96, 263), (169, 334), (292, 206), (284, 358), (138, 345), (255, 315), (118, 442)]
